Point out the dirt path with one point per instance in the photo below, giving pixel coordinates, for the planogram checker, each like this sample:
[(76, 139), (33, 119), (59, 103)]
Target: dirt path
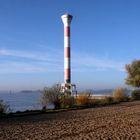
[(119, 122)]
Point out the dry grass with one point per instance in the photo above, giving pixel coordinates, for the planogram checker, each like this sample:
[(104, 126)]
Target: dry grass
[(82, 99)]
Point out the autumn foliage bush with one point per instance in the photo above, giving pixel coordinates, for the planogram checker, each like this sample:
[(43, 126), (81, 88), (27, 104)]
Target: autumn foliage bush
[(54, 96), (120, 95), (83, 98)]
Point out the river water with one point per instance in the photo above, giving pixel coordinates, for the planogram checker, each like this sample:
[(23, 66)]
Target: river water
[(20, 101)]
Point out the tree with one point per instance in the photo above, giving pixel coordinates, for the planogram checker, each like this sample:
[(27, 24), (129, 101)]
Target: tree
[(133, 71), (51, 95), (4, 108)]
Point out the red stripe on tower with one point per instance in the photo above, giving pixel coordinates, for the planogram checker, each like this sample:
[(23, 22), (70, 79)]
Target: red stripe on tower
[(67, 31), (67, 73), (67, 52), (67, 67)]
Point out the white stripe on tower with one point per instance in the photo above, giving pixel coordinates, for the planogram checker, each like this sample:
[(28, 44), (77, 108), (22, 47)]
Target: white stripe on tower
[(67, 67)]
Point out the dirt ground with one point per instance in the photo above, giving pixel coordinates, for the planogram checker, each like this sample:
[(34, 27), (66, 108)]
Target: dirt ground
[(117, 122)]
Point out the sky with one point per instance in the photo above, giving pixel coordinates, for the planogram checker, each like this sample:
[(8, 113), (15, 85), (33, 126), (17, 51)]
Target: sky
[(104, 37)]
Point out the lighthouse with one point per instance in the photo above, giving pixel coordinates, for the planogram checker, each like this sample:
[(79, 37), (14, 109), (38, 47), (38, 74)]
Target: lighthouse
[(67, 86)]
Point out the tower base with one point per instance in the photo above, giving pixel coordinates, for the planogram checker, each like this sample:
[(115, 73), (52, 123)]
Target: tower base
[(69, 89)]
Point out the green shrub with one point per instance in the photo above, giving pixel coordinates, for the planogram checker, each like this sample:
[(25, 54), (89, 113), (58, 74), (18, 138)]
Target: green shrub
[(106, 100), (4, 107), (136, 94), (131, 99), (67, 101), (51, 95), (120, 94), (93, 102)]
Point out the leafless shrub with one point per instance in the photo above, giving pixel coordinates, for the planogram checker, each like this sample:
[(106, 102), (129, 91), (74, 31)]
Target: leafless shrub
[(51, 95)]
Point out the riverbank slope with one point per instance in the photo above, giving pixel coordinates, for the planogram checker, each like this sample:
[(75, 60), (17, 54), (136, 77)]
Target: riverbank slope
[(120, 121)]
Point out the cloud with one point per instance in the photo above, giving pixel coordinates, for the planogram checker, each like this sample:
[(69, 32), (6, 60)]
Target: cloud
[(88, 62), (5, 52), (31, 61), (21, 67), (28, 55), (52, 61)]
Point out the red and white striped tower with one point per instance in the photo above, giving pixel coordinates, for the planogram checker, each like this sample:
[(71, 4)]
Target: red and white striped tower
[(67, 87), (66, 18)]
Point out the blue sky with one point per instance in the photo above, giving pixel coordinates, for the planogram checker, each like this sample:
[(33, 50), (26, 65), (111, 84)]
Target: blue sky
[(104, 37)]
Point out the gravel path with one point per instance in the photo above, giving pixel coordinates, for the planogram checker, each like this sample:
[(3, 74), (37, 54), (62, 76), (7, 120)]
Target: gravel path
[(118, 122)]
